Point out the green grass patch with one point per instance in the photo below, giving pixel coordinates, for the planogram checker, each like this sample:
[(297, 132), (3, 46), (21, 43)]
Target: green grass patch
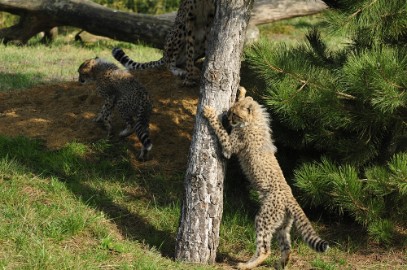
[(292, 31), (26, 66)]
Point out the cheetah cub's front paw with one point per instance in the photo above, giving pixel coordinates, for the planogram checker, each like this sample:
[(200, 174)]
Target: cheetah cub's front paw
[(226, 154), (209, 112)]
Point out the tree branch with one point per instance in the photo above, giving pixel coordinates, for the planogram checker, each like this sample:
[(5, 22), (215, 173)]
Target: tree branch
[(125, 26), (84, 14)]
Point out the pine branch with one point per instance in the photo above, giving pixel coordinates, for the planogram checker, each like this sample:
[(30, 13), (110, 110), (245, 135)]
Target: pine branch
[(305, 82), (363, 9)]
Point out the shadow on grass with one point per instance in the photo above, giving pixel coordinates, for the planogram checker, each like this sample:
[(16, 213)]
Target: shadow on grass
[(78, 172), (130, 224)]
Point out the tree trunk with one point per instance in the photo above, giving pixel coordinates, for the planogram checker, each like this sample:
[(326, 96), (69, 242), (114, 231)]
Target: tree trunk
[(198, 233), (41, 15)]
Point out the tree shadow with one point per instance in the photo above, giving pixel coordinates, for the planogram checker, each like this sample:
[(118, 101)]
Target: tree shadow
[(37, 159), (129, 223)]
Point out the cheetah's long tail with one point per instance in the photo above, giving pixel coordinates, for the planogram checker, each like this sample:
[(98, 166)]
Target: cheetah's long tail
[(128, 63), (307, 231)]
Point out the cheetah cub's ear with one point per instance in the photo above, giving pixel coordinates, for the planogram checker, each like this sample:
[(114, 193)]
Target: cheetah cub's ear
[(249, 105), (241, 94)]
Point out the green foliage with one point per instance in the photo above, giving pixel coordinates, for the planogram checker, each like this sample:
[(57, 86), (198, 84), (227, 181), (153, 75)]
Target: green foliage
[(371, 22), (381, 231), (378, 200), (346, 106), (141, 6), (7, 19)]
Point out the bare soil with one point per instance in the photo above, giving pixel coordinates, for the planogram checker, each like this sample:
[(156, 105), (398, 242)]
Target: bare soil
[(61, 113)]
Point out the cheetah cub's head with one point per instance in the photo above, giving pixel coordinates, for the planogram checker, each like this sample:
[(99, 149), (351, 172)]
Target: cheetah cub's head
[(243, 111), (93, 68), (86, 70)]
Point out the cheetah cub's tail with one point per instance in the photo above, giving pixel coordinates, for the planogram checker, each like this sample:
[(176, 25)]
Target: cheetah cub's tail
[(305, 228), (128, 63)]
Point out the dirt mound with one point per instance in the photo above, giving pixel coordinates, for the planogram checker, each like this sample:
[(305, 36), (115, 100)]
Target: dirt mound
[(62, 113)]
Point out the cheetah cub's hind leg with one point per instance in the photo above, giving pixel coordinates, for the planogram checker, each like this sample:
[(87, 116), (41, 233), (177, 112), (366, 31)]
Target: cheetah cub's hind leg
[(142, 132), (126, 112), (284, 241), (105, 115), (137, 121), (270, 218)]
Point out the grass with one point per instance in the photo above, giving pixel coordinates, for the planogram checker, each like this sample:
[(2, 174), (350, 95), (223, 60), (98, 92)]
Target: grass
[(30, 65), (293, 31), (63, 210), (85, 207)]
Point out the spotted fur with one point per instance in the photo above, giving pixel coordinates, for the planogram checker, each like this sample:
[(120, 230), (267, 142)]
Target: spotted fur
[(120, 89), (185, 43), (250, 139)]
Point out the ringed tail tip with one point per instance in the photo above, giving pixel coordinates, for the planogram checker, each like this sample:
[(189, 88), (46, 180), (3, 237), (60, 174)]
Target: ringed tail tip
[(322, 246)]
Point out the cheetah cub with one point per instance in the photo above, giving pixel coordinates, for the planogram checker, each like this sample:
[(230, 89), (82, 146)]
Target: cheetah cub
[(250, 139), (121, 89)]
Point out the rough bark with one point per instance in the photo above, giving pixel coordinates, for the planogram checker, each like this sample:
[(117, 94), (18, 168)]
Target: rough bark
[(41, 15), (198, 233)]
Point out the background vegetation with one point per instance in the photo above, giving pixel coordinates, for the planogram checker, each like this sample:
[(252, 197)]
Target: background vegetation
[(138, 6), (343, 110), (142, 6)]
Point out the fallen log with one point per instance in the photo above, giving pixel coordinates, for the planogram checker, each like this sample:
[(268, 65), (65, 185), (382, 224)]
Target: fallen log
[(42, 15)]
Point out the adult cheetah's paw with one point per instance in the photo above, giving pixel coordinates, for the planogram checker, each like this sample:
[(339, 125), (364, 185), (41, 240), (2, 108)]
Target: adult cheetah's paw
[(209, 112)]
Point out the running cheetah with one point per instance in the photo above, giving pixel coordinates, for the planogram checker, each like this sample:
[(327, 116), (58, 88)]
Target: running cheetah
[(121, 89)]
